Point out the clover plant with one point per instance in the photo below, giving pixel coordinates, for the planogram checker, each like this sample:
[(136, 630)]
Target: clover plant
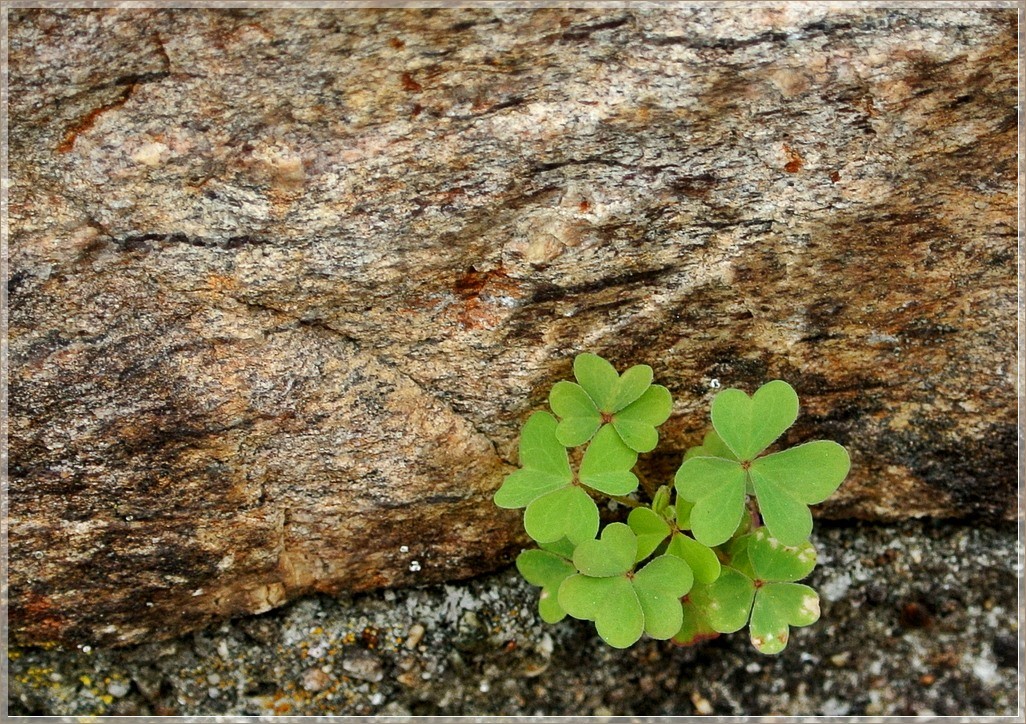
[(722, 548)]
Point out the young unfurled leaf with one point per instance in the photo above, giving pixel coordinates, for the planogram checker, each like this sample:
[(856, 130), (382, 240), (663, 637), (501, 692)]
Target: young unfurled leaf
[(650, 528), (787, 482), (701, 559), (630, 402), (695, 625), (578, 415), (717, 488), (548, 570), (747, 425), (682, 512), (661, 503)]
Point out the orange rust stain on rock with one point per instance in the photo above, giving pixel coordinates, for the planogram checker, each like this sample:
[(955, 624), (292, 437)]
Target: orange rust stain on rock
[(835, 177), (475, 288), (410, 84), (89, 119), (37, 611), (397, 43), (794, 160)]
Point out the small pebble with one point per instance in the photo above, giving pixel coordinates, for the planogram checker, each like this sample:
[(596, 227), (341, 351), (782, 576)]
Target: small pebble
[(364, 666), (315, 679), (840, 659), (118, 688), (414, 636), (702, 705)]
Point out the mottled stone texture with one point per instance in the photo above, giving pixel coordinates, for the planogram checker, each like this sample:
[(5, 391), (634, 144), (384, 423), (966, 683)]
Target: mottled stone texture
[(283, 284)]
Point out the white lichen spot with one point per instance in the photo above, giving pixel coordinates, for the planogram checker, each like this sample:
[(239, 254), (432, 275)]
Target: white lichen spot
[(414, 566), (714, 383), (197, 592), (404, 549)]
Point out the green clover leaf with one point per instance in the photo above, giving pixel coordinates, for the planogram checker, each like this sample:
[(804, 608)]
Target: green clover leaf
[(747, 425), (787, 482), (701, 559), (556, 508), (784, 483), (650, 528), (758, 588), (712, 447), (548, 570), (629, 402), (625, 604), (777, 607), (606, 464), (716, 486), (610, 555)]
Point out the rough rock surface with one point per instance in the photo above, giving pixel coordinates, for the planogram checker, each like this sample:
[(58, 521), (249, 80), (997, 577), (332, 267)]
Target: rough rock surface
[(918, 619), (284, 284)]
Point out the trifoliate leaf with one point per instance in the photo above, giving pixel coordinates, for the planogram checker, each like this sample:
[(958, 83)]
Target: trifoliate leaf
[(579, 418), (598, 378), (712, 447), (727, 600), (773, 561), (544, 464), (568, 512), (701, 559), (650, 528), (547, 570), (607, 463), (659, 586), (717, 488), (778, 606), (637, 422), (747, 425), (611, 555)]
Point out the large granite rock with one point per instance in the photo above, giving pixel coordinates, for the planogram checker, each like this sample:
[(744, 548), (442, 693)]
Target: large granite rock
[(283, 284)]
